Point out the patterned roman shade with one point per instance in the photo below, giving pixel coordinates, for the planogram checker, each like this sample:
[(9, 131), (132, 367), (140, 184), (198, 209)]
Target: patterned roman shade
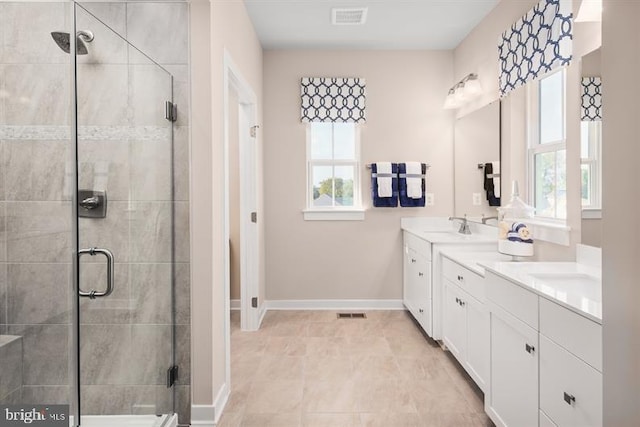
[(332, 100), (591, 99), (539, 42)]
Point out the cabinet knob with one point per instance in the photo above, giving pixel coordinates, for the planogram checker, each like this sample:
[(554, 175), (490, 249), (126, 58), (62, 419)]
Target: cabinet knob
[(569, 398), (458, 300), (421, 310), (420, 274), (462, 303), (459, 277), (413, 260), (530, 349)]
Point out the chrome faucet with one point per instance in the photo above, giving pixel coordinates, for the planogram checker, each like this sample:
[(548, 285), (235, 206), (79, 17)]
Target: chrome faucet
[(487, 218), (464, 224)]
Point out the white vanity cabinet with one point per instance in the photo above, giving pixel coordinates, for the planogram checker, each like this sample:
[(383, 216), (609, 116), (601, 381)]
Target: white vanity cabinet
[(570, 367), (423, 287), (513, 396), (465, 326), (545, 360), (417, 280)]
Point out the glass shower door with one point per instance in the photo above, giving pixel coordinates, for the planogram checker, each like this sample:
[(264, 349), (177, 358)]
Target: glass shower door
[(125, 210), (36, 222)]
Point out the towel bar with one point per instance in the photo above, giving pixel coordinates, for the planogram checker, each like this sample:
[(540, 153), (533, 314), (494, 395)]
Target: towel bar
[(369, 166)]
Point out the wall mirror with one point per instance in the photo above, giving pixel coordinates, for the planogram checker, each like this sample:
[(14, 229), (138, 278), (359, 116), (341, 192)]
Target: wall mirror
[(591, 147), (477, 182)]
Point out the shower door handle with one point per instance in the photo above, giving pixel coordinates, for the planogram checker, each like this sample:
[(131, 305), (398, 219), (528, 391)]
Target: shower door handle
[(107, 253)]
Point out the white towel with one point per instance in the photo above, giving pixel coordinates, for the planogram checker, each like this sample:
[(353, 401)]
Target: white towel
[(414, 185), (385, 188), (496, 179)]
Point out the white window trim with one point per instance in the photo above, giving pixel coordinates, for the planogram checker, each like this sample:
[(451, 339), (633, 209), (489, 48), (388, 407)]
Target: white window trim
[(595, 154), (332, 213), (534, 148), (591, 213)]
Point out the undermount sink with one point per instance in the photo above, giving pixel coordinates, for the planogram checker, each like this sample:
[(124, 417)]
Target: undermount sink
[(449, 233), (571, 282), (455, 236)]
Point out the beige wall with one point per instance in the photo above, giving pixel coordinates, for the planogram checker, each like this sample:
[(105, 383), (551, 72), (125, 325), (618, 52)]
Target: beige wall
[(201, 207), (215, 26), (231, 31), (592, 228), (234, 194), (592, 232), (405, 122), (621, 232), (477, 140), (478, 53)]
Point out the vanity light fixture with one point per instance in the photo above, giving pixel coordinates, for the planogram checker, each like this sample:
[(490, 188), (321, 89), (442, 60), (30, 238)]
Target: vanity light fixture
[(464, 91)]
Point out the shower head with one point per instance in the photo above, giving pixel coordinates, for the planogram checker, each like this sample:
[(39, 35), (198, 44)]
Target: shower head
[(63, 41)]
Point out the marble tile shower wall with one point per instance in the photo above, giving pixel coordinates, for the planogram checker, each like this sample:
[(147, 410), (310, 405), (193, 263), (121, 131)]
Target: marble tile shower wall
[(35, 208), (124, 148)]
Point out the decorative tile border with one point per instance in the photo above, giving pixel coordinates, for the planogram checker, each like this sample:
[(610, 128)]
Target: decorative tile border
[(85, 133)]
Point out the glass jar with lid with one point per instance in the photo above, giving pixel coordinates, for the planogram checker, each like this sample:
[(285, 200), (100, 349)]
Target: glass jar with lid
[(514, 235)]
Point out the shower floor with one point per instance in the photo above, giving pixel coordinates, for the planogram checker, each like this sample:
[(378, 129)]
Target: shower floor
[(129, 421)]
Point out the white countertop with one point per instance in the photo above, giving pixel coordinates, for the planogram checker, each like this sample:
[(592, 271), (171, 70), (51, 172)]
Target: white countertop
[(577, 287), (473, 259), (441, 230)]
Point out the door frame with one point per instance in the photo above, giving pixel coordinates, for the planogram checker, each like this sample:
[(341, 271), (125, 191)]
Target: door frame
[(249, 248)]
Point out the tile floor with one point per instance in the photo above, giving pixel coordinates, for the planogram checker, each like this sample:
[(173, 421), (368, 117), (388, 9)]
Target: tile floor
[(307, 368)]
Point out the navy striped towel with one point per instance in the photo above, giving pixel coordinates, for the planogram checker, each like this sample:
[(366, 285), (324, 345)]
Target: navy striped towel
[(405, 200), (384, 202)]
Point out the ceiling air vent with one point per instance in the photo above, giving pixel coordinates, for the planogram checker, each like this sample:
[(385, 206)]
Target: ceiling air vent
[(349, 16)]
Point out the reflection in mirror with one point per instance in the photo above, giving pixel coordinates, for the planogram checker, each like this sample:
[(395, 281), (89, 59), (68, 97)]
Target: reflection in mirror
[(477, 162), (591, 148)]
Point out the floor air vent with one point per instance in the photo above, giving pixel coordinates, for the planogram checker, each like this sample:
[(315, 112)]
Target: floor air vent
[(352, 315)]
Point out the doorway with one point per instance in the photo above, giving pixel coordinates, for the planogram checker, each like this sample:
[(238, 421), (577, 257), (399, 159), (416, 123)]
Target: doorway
[(241, 216)]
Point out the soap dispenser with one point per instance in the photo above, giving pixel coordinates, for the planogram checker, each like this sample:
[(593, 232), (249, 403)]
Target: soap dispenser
[(514, 235)]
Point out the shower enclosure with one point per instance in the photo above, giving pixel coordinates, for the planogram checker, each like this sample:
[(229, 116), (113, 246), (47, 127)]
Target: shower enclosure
[(87, 216)]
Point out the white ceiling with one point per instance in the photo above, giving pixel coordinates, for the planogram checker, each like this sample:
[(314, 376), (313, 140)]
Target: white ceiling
[(391, 24)]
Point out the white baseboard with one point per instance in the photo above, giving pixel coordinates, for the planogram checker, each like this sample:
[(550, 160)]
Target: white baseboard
[(335, 304), (209, 415), (221, 402), (262, 313), (235, 304), (203, 415)]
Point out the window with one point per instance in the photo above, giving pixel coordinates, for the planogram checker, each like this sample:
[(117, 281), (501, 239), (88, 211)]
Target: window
[(333, 167), (547, 146), (590, 146)]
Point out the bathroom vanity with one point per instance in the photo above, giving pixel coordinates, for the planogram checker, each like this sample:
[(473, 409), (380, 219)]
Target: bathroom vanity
[(465, 323), (424, 240), (528, 333), (545, 343)]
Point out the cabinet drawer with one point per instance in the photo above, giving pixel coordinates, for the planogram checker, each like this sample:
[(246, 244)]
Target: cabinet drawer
[(471, 282), (579, 335), (513, 298), (421, 246), (570, 390)]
